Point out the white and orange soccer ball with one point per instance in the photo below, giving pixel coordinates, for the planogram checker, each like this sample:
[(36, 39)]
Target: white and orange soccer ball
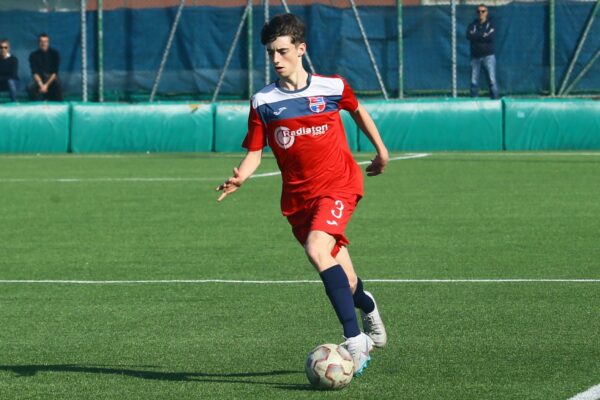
[(329, 366)]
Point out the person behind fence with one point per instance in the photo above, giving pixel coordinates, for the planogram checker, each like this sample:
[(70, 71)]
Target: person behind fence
[(481, 33), (44, 63), (9, 70)]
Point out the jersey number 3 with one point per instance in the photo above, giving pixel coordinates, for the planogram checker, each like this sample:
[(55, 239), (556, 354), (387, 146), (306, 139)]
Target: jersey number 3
[(336, 212)]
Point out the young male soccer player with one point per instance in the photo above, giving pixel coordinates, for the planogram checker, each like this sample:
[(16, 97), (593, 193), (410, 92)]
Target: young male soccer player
[(298, 116)]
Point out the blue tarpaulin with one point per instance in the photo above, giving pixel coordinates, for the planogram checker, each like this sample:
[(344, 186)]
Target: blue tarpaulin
[(135, 39)]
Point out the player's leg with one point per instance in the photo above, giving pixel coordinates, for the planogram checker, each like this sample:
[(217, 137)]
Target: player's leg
[(343, 258), (318, 249), (319, 246), (364, 301)]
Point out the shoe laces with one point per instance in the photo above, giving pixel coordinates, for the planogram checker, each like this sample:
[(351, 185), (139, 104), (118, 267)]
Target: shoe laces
[(351, 344), (373, 327)]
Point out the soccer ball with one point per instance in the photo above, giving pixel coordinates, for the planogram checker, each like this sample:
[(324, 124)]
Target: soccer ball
[(329, 366)]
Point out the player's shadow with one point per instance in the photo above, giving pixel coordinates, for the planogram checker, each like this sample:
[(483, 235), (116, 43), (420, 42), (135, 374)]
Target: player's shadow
[(146, 372)]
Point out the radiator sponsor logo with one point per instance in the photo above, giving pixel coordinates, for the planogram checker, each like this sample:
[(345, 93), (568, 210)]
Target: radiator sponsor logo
[(285, 137)]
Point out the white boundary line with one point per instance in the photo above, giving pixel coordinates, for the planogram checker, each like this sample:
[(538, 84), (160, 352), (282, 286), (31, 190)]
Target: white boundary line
[(405, 157), (282, 282), (166, 155), (175, 179), (106, 179), (530, 154), (592, 393)]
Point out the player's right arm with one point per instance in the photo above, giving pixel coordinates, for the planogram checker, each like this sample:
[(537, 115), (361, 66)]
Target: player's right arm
[(240, 174), (255, 141)]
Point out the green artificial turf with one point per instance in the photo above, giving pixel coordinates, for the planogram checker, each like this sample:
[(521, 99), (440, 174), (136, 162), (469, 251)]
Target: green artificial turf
[(155, 217)]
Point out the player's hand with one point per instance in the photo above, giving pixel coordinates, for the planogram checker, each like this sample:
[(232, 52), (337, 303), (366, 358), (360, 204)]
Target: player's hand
[(377, 165), (230, 185)]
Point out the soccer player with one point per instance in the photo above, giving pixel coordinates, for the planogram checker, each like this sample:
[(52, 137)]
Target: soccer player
[(298, 117)]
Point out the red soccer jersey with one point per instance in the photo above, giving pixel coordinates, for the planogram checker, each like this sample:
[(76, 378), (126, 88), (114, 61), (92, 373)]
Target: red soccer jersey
[(305, 132)]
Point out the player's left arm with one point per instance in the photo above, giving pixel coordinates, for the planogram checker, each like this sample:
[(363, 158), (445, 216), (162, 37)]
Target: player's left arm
[(365, 123)]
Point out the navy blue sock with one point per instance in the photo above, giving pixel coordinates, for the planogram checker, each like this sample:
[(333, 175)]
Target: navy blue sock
[(361, 300), (339, 293)]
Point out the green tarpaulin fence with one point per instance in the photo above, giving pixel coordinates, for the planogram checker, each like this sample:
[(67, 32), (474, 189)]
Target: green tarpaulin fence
[(415, 125)]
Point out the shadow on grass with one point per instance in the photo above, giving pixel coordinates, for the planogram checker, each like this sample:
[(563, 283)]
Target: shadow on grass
[(146, 372)]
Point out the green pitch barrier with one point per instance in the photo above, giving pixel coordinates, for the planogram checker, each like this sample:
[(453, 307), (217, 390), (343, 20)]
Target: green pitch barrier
[(411, 125), (552, 124), (436, 125), (141, 127), (231, 125), (34, 128)]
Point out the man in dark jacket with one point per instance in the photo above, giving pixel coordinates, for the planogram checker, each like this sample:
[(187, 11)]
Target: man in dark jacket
[(481, 33), (44, 64), (9, 70)]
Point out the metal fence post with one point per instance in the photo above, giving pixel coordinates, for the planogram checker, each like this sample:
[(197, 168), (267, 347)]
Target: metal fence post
[(236, 38), (84, 72), (582, 40), (100, 52), (250, 28), (165, 55), (552, 47), (400, 50), (267, 61), (368, 46), (453, 33), (584, 71)]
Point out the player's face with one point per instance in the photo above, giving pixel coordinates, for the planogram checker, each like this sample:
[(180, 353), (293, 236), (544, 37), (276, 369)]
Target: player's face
[(285, 56)]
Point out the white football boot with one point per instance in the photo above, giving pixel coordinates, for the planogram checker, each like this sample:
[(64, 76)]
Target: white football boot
[(359, 348), (373, 325)]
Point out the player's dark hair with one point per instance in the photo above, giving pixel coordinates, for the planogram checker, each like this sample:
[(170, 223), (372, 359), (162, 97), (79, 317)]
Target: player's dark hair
[(283, 25), (4, 40), (41, 35)]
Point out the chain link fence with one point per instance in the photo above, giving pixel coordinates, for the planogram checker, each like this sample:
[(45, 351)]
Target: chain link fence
[(130, 50)]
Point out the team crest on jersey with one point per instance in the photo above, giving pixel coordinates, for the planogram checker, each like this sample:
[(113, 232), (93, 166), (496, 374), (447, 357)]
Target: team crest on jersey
[(317, 104)]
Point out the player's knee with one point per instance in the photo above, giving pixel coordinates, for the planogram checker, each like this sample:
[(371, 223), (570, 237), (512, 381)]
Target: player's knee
[(314, 252), (318, 248)]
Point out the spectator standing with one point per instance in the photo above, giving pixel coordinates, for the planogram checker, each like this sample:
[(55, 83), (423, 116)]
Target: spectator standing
[(44, 63), (481, 33), (9, 70)]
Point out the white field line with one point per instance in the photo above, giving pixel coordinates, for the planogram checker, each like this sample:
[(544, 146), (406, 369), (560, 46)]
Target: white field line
[(405, 157), (531, 154), (121, 155), (281, 282), (592, 393), (167, 179), (106, 179)]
